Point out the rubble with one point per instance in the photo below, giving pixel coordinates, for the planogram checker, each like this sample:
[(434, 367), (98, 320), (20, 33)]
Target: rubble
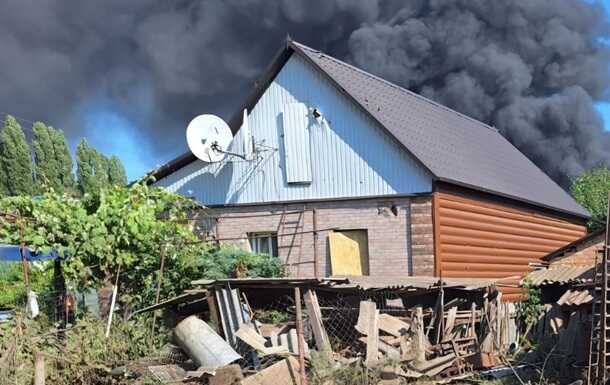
[(402, 332)]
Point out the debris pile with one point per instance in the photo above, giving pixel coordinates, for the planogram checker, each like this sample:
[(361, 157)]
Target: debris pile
[(402, 332)]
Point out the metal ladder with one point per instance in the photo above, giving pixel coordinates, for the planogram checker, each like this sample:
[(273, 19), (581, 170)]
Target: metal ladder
[(599, 346)]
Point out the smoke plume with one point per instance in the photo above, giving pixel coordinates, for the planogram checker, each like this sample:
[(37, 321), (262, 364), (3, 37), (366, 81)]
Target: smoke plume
[(531, 68)]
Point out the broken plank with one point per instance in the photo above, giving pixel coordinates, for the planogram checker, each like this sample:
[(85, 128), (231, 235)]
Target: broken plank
[(389, 350), (285, 372), (230, 374), (372, 335), (393, 325), (247, 334), (315, 320), (363, 316), (420, 344), (450, 323), (434, 366)]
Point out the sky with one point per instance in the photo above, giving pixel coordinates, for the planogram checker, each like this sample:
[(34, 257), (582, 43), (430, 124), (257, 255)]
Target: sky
[(129, 76)]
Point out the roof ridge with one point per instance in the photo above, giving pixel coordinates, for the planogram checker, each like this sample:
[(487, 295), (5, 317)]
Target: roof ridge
[(394, 85)]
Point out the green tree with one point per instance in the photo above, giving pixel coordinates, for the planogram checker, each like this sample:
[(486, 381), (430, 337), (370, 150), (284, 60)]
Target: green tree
[(116, 172), (591, 189), (15, 159), (126, 227), (45, 162), (63, 158), (87, 164)]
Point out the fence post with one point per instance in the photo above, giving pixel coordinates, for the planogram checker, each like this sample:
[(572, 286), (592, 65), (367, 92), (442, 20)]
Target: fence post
[(299, 320)]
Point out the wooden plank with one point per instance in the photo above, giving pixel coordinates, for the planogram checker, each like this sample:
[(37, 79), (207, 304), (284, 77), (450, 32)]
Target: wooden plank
[(228, 375), (372, 335), (450, 323), (420, 345), (248, 334), (391, 352), (393, 325), (434, 366), (315, 320), (349, 252), (285, 372), (363, 316)]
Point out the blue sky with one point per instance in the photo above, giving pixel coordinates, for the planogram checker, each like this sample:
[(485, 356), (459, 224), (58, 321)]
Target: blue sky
[(111, 132)]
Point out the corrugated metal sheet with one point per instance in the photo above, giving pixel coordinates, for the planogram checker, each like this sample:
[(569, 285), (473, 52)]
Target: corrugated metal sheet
[(561, 275), (576, 297), (295, 130), (481, 239), (355, 282), (351, 156)]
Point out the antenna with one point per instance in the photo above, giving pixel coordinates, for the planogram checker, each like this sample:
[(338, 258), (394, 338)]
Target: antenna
[(209, 138)]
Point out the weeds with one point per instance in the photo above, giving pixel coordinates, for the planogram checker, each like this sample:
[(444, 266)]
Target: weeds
[(80, 355)]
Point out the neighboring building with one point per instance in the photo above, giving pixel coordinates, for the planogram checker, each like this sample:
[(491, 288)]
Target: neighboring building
[(392, 183), (580, 253)]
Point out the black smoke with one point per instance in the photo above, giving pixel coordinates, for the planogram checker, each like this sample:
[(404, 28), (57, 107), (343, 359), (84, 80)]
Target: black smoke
[(532, 68)]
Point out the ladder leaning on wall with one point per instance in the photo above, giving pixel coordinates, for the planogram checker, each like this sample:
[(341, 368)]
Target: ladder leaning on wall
[(599, 346)]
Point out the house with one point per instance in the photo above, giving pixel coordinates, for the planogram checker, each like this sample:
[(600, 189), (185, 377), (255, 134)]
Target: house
[(348, 174), (580, 253)]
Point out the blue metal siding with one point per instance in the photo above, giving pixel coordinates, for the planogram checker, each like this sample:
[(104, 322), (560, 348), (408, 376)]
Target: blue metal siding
[(297, 152), (351, 156)]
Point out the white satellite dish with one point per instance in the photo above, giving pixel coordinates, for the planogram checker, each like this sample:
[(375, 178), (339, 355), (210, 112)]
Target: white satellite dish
[(209, 138)]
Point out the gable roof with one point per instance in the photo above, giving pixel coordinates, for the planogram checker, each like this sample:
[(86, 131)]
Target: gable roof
[(453, 147)]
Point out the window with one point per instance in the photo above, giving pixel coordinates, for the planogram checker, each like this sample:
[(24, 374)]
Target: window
[(263, 243)]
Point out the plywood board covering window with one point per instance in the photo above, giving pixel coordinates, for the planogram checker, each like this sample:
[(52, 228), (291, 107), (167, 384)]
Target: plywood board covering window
[(349, 252), (295, 121)]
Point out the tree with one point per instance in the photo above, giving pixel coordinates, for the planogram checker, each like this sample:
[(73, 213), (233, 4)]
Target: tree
[(126, 227), (46, 166), (63, 158), (15, 159), (116, 172), (591, 189)]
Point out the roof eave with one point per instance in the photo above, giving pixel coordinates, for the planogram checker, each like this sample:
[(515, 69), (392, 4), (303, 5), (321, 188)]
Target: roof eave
[(585, 216)]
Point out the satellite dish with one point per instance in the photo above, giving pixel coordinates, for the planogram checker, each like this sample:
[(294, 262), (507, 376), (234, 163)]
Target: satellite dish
[(209, 138)]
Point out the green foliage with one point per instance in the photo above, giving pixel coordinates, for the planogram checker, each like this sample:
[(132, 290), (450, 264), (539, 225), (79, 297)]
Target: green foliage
[(234, 262), (323, 371), (591, 189), (15, 159), (86, 161), (128, 227), (64, 159), (531, 308), (12, 290), (116, 172), (80, 356), (45, 163), (52, 160), (272, 316)]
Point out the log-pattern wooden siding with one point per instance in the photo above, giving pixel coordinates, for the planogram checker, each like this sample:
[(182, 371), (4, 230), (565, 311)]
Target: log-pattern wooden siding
[(479, 239)]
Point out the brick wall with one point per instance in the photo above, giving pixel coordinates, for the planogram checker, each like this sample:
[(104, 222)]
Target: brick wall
[(400, 240), (581, 255)]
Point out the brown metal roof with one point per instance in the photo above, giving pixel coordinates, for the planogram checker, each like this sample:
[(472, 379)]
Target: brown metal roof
[(453, 147)]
